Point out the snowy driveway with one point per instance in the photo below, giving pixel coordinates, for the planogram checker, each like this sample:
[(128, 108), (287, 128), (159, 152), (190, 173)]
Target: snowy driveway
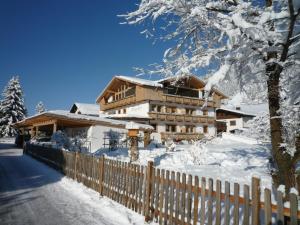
[(34, 194)]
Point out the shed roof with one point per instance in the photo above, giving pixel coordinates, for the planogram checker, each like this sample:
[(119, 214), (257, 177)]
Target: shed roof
[(66, 116)]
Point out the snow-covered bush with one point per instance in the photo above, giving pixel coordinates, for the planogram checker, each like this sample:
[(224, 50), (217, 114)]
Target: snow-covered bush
[(60, 139), (198, 151), (170, 145), (259, 128)]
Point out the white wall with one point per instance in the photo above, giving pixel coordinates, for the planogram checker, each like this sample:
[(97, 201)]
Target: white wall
[(199, 129), (211, 112), (211, 130), (139, 109), (96, 134), (239, 124)]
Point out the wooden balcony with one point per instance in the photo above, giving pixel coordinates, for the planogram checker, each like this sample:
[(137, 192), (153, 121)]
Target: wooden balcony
[(181, 136), (181, 118), (119, 103), (188, 100)]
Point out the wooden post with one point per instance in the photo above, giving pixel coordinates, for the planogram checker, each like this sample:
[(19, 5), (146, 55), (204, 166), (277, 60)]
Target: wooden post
[(133, 135), (101, 173), (54, 127), (255, 200), (36, 131), (148, 190), (146, 138), (75, 166)]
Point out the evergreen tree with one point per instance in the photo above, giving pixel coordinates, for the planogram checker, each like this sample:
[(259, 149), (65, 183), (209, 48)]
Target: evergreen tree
[(40, 108), (12, 108)]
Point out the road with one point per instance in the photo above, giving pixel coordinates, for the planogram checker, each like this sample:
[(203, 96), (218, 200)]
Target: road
[(34, 194)]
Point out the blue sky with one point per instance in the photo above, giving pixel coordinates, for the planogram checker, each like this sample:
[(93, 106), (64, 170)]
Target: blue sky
[(66, 51)]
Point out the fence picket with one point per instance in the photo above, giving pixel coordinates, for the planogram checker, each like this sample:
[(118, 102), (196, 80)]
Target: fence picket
[(218, 203), (161, 196), (293, 208), (157, 188), (189, 199), (196, 201), (236, 214), (177, 205), (183, 199), (267, 207), (141, 189), (280, 217), (255, 200), (246, 205), (172, 197), (203, 199), (210, 201), (227, 203), (166, 187)]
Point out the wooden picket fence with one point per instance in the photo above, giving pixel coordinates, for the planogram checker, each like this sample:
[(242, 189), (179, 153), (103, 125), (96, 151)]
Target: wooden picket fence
[(170, 197)]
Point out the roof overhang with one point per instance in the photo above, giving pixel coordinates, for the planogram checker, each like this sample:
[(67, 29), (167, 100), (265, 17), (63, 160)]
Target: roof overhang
[(73, 120)]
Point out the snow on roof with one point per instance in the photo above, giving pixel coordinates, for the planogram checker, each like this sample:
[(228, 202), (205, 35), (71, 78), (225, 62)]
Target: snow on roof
[(256, 109), (87, 109), (128, 116), (236, 111), (62, 114), (140, 81), (153, 83)]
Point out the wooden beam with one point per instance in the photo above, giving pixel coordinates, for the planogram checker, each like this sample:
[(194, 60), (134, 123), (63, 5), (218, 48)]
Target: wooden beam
[(44, 123)]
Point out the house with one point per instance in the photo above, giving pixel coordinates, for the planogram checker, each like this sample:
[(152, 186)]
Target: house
[(230, 120), (175, 106), (96, 132), (85, 109)]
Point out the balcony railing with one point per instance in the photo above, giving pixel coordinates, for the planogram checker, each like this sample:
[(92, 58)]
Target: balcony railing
[(181, 136), (119, 103), (181, 118), (188, 100)]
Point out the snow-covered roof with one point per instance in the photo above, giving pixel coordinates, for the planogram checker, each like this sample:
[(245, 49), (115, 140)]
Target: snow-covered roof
[(128, 116), (236, 111), (86, 108), (256, 109), (152, 83), (140, 81), (62, 114)]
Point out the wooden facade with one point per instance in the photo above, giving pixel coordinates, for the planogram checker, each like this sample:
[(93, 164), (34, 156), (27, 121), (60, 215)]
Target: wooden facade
[(186, 95)]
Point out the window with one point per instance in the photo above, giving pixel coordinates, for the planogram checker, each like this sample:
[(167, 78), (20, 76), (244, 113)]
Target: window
[(170, 128), (189, 111), (232, 123), (205, 112), (171, 110), (205, 129), (190, 129), (155, 108), (159, 108), (124, 111), (154, 126)]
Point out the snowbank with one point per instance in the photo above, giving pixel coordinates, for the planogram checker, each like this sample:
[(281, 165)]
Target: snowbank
[(232, 158)]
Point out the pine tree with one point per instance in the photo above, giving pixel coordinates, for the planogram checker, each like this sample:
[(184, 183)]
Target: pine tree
[(12, 107), (40, 108)]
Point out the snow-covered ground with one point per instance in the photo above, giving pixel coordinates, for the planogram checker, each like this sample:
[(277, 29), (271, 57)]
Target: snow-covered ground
[(33, 193), (7, 140), (232, 158)]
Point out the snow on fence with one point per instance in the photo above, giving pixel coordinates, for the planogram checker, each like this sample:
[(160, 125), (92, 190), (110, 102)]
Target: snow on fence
[(168, 197)]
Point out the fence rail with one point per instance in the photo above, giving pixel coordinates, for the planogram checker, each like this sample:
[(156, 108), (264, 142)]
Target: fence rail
[(170, 197)]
